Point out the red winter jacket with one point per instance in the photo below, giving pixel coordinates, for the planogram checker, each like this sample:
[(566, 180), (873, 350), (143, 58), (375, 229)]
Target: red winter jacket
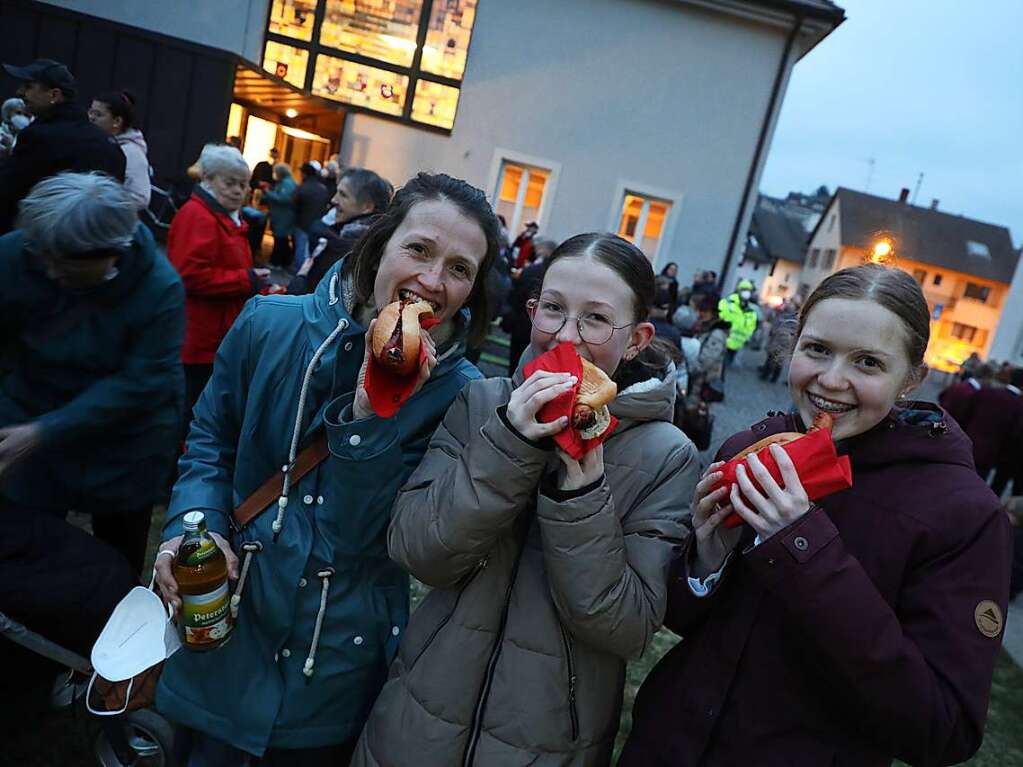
[(867, 630), (211, 253)]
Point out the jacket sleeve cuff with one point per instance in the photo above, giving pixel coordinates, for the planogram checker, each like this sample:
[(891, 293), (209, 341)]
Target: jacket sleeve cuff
[(363, 439), (781, 555), (550, 489), (512, 446), (502, 413)]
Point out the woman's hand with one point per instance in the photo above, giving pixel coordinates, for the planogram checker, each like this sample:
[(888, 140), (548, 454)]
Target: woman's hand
[(162, 567), (779, 505), (573, 474), (713, 541), (527, 400), (361, 407)]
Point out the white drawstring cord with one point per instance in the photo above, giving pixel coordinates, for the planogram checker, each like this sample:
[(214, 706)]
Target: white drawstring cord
[(282, 502), (250, 548), (310, 662)]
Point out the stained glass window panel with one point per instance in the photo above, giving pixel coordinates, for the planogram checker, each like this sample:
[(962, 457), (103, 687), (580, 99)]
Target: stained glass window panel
[(379, 29), (293, 18), (359, 85), (447, 40), (286, 62), (435, 104)]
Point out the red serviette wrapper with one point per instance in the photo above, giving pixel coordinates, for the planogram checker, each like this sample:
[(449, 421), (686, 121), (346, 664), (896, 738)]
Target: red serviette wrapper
[(821, 470), (388, 391), (563, 358)]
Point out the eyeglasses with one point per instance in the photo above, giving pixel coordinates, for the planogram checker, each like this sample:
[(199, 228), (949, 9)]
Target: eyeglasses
[(594, 328)]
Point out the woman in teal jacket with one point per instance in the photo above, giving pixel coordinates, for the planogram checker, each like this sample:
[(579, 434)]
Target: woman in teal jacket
[(281, 202), (321, 608)]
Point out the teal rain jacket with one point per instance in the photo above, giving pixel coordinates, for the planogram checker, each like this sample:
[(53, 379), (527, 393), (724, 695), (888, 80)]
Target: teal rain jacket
[(279, 682), (100, 372)]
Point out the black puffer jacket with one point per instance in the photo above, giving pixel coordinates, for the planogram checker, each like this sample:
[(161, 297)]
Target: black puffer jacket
[(340, 242), (63, 140)]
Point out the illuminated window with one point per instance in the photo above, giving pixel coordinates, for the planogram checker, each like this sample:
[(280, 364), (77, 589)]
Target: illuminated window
[(447, 39), (520, 194), (642, 222), (977, 292), (286, 62), (360, 85), (293, 18), (963, 332), (378, 29), (919, 275), (370, 53), (435, 104)]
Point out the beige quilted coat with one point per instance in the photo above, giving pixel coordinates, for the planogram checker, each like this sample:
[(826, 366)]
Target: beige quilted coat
[(517, 656)]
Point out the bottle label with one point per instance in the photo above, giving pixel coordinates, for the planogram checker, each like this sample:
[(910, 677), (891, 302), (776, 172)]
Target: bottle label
[(207, 549), (205, 617)]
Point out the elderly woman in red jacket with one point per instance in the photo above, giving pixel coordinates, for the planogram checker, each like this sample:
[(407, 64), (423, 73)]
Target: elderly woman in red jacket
[(208, 246), (857, 629)]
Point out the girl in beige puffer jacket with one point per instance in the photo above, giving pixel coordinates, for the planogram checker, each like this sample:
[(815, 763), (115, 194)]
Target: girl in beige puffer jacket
[(547, 573)]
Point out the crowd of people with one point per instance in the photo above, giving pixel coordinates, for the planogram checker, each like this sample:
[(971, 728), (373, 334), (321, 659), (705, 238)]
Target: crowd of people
[(852, 628)]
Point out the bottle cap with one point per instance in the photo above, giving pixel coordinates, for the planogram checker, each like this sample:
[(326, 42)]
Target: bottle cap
[(193, 520)]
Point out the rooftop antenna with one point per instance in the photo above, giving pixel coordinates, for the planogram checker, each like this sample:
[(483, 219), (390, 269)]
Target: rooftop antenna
[(870, 172), (916, 190)]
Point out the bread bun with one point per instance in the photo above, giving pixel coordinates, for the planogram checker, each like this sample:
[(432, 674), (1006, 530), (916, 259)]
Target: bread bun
[(396, 335), (820, 421), (590, 416)]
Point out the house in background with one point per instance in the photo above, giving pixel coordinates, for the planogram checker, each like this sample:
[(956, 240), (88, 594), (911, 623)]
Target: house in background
[(964, 266), (776, 244)]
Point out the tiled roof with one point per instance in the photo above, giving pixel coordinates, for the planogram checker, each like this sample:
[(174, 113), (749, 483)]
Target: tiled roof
[(928, 235)]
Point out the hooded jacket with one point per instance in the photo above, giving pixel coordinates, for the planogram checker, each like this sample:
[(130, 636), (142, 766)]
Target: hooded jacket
[(320, 608), (867, 630), (62, 139), (540, 596), (281, 202), (100, 371), (211, 253), (136, 172), (743, 320)]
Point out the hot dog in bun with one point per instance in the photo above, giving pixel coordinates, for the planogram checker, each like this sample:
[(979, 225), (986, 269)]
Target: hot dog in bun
[(396, 335), (590, 416), (820, 421)]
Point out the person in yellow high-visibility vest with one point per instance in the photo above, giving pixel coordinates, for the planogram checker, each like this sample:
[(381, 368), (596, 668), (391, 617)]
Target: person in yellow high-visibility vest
[(740, 314)]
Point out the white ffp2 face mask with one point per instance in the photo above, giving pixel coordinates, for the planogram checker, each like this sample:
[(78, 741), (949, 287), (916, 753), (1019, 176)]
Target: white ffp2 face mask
[(138, 635), (20, 122), (744, 295)]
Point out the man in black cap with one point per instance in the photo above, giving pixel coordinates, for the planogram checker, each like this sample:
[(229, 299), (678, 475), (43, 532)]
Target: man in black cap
[(60, 138)]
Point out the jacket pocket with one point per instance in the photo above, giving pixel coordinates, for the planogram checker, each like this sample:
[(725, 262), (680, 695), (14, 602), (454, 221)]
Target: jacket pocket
[(573, 711), (446, 618)]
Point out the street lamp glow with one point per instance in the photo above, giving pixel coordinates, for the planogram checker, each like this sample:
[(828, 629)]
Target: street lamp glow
[(292, 113), (881, 251)]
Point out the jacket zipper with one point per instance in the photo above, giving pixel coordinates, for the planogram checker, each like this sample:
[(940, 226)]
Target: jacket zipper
[(454, 608), (569, 656), (495, 652)]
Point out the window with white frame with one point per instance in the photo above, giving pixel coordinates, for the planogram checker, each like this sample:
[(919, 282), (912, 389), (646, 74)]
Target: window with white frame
[(642, 221), (520, 194)]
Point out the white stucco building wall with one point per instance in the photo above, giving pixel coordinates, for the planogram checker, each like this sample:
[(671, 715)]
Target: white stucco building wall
[(231, 25), (1008, 342), (666, 98)]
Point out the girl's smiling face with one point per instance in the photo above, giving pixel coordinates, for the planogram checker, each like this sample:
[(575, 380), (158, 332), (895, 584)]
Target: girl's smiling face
[(589, 293), (851, 361)]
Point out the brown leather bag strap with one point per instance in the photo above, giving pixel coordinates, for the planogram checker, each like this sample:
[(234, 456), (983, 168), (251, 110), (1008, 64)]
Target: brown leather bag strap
[(270, 490)]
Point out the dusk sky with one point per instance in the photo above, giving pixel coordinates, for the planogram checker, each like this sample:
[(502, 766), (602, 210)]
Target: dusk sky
[(932, 86)]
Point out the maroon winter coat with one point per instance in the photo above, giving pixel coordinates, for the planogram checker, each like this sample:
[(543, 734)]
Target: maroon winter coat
[(958, 400), (211, 253), (867, 630), (994, 422)]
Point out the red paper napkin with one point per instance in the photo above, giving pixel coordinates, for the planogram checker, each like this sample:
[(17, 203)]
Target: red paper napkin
[(563, 358), (387, 390), (821, 470)]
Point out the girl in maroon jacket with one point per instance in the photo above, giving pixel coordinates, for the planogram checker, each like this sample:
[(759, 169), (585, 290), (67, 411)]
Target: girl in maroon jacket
[(857, 629)]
